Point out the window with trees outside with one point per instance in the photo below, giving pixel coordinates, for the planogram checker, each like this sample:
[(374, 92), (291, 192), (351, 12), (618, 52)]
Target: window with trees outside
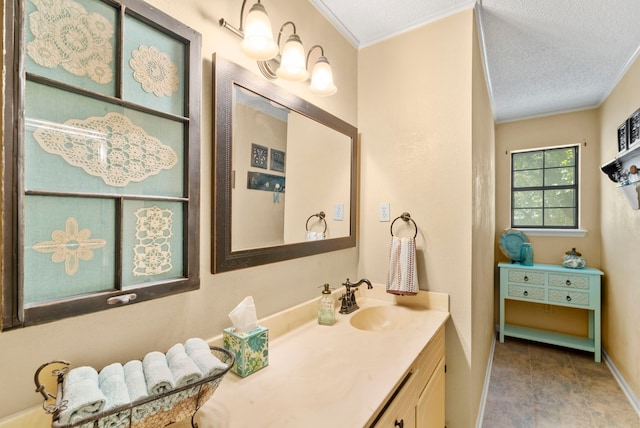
[(544, 188)]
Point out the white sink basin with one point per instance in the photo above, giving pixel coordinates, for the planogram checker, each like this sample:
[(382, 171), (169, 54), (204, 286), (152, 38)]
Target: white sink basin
[(380, 318)]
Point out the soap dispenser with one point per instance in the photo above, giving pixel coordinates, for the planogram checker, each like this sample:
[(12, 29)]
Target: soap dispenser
[(327, 307)]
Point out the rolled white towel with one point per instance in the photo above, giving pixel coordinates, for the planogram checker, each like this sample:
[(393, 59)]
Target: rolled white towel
[(134, 378), (200, 352), (82, 394), (113, 386), (184, 369), (157, 373)]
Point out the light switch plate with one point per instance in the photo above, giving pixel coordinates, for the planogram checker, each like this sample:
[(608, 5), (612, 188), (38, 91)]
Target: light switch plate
[(338, 212), (383, 212)]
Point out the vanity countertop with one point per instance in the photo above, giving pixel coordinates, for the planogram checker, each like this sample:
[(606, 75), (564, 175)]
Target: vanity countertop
[(326, 376)]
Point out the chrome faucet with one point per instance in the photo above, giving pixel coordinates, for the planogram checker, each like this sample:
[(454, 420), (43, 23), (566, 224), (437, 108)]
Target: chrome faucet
[(349, 298)]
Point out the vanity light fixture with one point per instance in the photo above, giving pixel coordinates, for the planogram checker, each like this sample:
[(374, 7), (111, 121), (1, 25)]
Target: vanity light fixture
[(321, 76), (292, 64), (257, 37)]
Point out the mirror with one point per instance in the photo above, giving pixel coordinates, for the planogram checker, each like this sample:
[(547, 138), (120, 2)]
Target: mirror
[(285, 174)]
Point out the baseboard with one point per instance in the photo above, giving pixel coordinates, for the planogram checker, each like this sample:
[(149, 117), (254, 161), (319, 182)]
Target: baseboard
[(623, 383), (487, 379)]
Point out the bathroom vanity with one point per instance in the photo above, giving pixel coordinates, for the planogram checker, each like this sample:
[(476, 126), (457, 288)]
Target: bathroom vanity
[(382, 366), (552, 285)]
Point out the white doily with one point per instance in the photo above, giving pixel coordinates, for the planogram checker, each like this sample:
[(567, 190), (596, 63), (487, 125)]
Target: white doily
[(70, 246), (154, 70), (66, 35), (152, 253), (111, 147)]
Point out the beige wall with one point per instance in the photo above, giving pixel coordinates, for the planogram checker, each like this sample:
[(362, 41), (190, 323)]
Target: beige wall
[(419, 153), (251, 230), (483, 227), (620, 226), (129, 332), (564, 129)]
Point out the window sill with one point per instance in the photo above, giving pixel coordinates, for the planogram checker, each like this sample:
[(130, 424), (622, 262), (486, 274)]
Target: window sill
[(569, 233)]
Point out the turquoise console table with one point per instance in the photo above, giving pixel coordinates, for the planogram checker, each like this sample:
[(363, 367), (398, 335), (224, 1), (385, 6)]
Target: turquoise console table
[(553, 285)]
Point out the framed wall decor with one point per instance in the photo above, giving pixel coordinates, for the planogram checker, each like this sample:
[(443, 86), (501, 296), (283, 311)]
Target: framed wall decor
[(106, 153), (259, 156), (277, 160), (623, 136), (634, 129)]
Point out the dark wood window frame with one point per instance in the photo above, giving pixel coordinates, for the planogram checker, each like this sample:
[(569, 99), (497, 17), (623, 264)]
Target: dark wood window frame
[(15, 313)]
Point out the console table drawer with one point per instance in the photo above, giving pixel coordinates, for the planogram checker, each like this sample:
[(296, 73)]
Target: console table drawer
[(569, 281), (567, 297), (524, 292), (527, 277)]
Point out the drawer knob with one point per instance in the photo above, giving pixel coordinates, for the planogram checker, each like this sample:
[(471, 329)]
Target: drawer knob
[(399, 424), (568, 298), (568, 282), (526, 293), (526, 278)]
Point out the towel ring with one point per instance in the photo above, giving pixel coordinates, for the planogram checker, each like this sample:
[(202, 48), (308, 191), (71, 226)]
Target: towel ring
[(406, 217), (321, 215)]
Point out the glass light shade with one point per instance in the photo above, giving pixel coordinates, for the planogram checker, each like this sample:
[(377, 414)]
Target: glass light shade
[(258, 40), (322, 78), (293, 62)]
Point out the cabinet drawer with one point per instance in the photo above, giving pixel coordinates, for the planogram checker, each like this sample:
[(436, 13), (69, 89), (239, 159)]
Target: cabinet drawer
[(526, 292), (569, 281), (526, 277), (569, 297), (428, 360)]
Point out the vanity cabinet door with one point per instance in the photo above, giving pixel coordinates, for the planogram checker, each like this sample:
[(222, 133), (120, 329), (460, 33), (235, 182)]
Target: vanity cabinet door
[(430, 406)]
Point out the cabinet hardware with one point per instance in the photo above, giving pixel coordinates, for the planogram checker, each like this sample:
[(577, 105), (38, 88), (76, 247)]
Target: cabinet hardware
[(526, 278), (399, 424), (568, 298), (122, 299), (526, 293), (568, 282)]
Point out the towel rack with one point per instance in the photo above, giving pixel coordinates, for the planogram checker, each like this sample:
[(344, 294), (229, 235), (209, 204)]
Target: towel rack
[(405, 216), (321, 215)]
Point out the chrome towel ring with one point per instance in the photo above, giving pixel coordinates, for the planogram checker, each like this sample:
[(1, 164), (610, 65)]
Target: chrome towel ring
[(405, 216)]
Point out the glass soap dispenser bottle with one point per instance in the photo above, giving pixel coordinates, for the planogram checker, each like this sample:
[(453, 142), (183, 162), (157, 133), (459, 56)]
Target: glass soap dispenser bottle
[(327, 307)]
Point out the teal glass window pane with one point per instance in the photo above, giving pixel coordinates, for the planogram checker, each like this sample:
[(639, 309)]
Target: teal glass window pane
[(69, 247), (73, 43), (559, 176), (559, 198), (153, 239), (528, 199), (527, 160), (80, 144), (528, 178), (557, 217), (527, 217)]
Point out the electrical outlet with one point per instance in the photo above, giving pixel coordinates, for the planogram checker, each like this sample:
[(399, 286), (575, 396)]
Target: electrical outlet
[(383, 212), (338, 212)]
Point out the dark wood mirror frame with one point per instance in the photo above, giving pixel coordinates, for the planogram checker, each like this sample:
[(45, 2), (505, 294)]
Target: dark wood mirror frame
[(225, 75)]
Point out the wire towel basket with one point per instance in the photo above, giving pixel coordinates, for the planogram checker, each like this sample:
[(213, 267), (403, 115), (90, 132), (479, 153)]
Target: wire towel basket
[(149, 412)]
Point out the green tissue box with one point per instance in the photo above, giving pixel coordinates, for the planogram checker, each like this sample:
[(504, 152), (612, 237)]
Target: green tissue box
[(251, 349)]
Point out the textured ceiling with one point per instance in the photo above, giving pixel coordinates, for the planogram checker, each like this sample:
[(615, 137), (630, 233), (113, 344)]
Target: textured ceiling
[(541, 57)]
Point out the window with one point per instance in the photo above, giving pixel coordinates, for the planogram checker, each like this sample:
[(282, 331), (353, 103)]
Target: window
[(102, 138), (544, 188)]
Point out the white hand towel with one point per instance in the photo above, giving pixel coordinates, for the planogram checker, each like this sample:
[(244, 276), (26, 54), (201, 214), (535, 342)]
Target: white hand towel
[(134, 378), (403, 277), (183, 368), (200, 352), (157, 373), (82, 395)]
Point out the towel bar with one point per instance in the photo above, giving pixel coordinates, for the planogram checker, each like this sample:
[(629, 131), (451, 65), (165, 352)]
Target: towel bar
[(405, 216)]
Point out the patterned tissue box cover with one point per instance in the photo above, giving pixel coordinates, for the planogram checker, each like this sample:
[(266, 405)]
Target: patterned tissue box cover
[(251, 349)]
